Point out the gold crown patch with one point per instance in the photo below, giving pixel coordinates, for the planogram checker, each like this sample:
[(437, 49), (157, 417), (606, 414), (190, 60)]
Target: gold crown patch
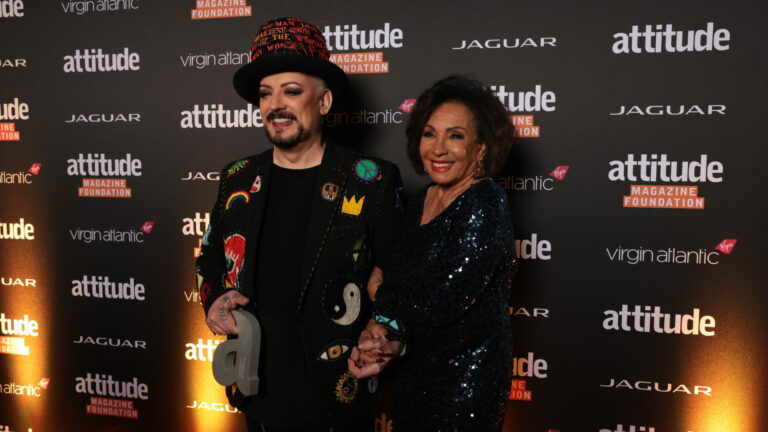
[(352, 206)]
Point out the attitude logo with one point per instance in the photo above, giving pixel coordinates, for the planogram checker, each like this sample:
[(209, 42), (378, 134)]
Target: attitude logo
[(13, 63), (212, 406), (650, 319), (533, 248), (14, 110), (20, 230), (110, 342), (81, 7), (344, 37), (13, 333), (535, 183), (507, 43), (97, 165), (658, 168), (20, 177), (529, 101), (101, 287), (526, 367), (690, 390), (204, 60), (212, 116), (111, 235), (202, 350), (96, 60), (196, 226), (208, 9), (110, 397), (664, 38), (11, 8), (29, 390)]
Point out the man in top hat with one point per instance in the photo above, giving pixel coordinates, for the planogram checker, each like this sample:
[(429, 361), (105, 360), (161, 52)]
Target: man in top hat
[(294, 237)]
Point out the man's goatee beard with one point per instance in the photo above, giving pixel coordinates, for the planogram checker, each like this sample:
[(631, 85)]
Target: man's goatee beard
[(290, 142)]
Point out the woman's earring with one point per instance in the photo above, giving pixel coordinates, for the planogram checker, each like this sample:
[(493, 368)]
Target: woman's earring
[(480, 171)]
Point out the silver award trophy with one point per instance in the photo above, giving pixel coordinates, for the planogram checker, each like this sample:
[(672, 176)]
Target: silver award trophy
[(236, 361)]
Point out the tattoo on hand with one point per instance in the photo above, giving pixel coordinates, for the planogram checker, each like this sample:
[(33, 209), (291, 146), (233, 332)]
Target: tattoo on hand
[(225, 300)]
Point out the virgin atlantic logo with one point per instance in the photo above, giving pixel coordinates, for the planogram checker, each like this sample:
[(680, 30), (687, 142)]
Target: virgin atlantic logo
[(726, 246)]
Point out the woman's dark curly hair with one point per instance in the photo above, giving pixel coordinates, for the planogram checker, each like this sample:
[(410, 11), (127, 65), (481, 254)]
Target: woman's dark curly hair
[(492, 122)]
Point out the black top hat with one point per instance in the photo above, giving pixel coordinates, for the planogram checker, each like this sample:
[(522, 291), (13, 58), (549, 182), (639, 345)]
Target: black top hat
[(288, 45)]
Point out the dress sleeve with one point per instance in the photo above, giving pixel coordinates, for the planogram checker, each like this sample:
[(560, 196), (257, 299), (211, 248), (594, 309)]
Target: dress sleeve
[(439, 289), (211, 266)]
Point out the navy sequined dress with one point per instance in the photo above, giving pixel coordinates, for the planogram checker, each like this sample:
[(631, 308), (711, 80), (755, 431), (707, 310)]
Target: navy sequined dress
[(447, 293)]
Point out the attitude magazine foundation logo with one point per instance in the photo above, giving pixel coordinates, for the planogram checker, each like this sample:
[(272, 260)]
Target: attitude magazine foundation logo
[(13, 334), (208, 9), (347, 37), (655, 168), (526, 101), (526, 367), (93, 165), (13, 110), (111, 397)]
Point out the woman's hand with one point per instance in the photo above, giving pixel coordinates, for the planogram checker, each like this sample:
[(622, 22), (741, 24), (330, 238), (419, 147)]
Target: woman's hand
[(373, 351)]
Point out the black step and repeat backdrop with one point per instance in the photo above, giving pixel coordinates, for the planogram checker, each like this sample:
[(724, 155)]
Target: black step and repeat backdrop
[(637, 185)]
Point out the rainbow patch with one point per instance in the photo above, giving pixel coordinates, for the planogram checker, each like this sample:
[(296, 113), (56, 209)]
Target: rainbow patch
[(235, 197)]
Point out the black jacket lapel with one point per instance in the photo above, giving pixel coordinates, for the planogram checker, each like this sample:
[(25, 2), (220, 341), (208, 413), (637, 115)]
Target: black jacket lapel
[(331, 177), (258, 193)]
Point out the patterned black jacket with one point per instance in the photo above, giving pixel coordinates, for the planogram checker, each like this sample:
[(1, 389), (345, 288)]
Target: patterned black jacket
[(354, 221)]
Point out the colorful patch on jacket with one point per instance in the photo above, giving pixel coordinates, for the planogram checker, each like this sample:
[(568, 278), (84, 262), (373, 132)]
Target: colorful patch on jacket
[(342, 300), (346, 388), (234, 250), (366, 170), (236, 167), (359, 253), (373, 384), (235, 198), (329, 192), (335, 350), (205, 290), (256, 186), (207, 236), (352, 205)]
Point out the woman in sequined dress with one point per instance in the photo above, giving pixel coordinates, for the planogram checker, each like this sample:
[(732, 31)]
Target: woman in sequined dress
[(442, 308)]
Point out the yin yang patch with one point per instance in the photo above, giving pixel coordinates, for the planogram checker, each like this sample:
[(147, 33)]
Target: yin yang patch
[(342, 300)]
